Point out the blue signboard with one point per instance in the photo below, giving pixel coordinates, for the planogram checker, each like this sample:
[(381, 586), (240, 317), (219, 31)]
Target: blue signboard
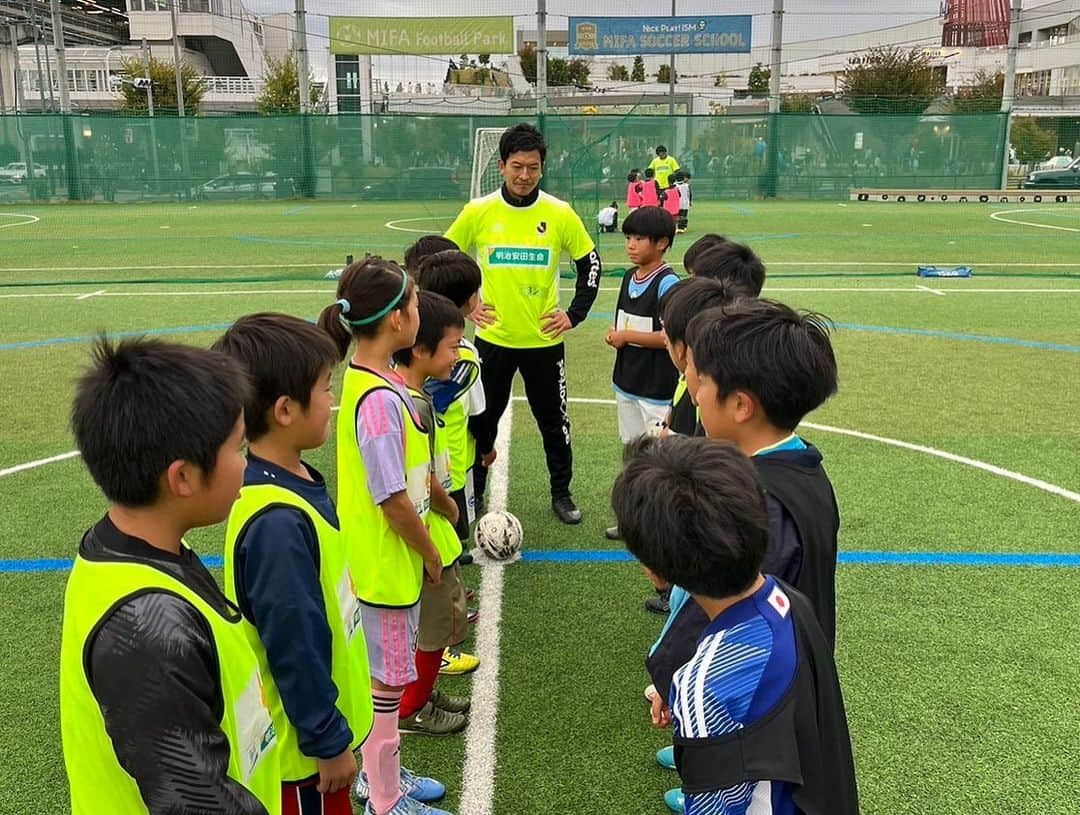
[(591, 36)]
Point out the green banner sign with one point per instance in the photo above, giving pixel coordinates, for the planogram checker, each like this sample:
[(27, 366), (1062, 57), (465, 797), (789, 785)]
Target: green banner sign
[(421, 35)]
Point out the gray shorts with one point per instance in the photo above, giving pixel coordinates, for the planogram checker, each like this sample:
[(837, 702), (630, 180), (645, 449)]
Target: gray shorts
[(390, 634)]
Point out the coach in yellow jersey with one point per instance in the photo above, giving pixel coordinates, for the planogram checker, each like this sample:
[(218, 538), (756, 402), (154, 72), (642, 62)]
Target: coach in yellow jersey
[(518, 235)]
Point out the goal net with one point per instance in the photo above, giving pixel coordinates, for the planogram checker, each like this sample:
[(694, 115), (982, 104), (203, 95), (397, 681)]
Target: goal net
[(485, 170)]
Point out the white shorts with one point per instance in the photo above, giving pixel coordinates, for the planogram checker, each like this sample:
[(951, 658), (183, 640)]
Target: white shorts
[(635, 415), (390, 634)]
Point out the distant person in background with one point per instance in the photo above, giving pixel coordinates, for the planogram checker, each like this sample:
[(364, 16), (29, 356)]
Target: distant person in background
[(663, 165), (650, 190), (633, 189), (608, 218), (682, 184)]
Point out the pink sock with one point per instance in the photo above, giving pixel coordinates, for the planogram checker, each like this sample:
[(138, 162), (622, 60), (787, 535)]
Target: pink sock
[(381, 752)]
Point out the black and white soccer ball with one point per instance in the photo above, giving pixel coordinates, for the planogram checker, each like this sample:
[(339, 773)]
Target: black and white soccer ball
[(498, 534)]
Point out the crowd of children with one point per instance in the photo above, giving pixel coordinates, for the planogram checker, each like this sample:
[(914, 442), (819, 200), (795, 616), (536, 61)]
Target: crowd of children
[(337, 617)]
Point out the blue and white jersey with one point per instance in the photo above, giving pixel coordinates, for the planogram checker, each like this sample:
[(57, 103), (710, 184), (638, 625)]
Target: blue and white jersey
[(744, 665)]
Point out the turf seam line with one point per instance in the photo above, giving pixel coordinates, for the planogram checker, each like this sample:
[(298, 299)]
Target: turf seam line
[(478, 774), (599, 556)]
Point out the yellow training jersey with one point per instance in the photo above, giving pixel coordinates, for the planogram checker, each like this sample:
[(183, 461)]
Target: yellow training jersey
[(518, 250)]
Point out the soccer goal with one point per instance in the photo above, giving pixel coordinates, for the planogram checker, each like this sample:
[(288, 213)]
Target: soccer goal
[(485, 171)]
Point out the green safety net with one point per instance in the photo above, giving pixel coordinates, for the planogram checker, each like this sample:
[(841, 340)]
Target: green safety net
[(430, 158)]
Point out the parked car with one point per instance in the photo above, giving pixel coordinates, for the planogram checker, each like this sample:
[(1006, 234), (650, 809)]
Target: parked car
[(242, 185), (1055, 163), (420, 183), (1067, 178), (15, 172)]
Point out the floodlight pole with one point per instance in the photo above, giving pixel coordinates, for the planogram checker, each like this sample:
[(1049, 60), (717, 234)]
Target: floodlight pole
[(671, 75), (541, 60), (37, 54), (300, 46), (176, 61), (777, 51), (1008, 91), (61, 61)]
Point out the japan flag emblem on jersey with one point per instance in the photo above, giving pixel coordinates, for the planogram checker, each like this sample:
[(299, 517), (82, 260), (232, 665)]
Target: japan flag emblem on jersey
[(779, 601), (541, 228)]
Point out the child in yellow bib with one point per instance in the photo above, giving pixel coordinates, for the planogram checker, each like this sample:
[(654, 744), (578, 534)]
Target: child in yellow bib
[(384, 496), (286, 566), (443, 614), (161, 703)]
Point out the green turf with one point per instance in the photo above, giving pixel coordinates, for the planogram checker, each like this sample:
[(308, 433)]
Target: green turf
[(960, 682)]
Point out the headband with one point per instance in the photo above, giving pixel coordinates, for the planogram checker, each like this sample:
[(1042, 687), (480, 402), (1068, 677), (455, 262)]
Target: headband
[(378, 315)]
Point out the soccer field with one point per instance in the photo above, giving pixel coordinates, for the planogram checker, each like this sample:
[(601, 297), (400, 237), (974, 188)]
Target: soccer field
[(952, 444)]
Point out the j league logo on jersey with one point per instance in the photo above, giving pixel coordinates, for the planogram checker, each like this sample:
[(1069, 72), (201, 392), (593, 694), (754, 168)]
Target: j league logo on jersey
[(541, 228)]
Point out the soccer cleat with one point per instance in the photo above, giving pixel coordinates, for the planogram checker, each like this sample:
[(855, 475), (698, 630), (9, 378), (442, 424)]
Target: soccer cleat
[(660, 604), (469, 595), (674, 799), (407, 806), (665, 757), (650, 693), (456, 663), (466, 558), (472, 616), (417, 787), (452, 704), (612, 533), (566, 510), (433, 721)]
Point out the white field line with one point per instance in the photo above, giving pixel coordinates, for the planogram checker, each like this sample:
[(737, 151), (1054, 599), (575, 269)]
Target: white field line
[(31, 219), (41, 462), (938, 292), (767, 289), (478, 775), (90, 294), (394, 224), (1054, 489), (997, 217)]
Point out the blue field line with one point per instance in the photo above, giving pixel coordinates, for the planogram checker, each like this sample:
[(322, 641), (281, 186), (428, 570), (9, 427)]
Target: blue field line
[(146, 332), (955, 335), (979, 559)]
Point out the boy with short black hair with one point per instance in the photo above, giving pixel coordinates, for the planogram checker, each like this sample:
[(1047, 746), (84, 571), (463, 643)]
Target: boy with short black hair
[(443, 614), (756, 369), (286, 566), (650, 189), (160, 702), (757, 711), (643, 377), (425, 246), (733, 262), (699, 247), (459, 398)]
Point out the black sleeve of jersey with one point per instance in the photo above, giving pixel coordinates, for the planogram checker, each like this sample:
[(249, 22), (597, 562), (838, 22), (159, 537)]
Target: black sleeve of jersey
[(153, 668), (588, 284), (783, 555)]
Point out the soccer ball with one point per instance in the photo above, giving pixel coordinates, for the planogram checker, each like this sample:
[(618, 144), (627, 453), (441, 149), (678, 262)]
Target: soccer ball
[(498, 534)]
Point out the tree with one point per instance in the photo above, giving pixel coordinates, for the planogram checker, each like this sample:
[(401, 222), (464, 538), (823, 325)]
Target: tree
[(559, 71), (527, 56), (797, 102), (281, 91), (887, 79), (1032, 143), (163, 84), (663, 75), (637, 73), (758, 81), (983, 95), (618, 73)]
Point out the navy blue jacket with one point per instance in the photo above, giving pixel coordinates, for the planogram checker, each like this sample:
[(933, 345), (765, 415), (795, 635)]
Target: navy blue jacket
[(278, 591)]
